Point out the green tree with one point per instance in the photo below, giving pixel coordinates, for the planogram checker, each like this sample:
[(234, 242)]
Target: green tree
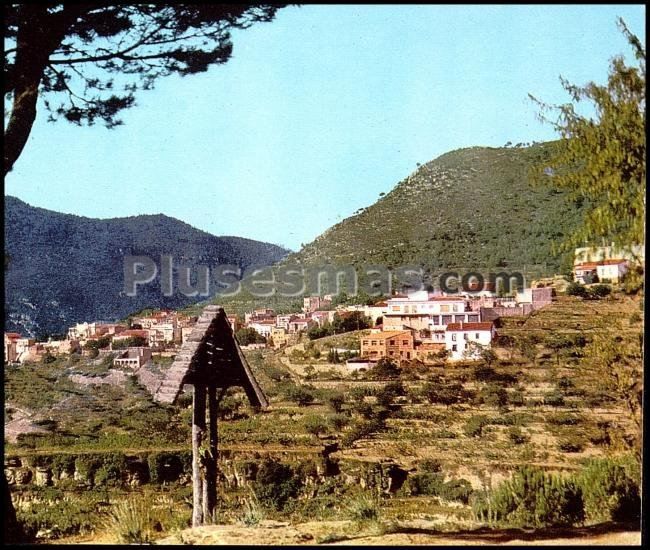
[(385, 368), (247, 336), (600, 159), (86, 60)]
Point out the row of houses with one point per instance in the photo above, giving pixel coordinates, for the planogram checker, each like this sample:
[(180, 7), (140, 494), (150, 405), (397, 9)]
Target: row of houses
[(159, 330), (19, 348), (608, 271), (420, 325)]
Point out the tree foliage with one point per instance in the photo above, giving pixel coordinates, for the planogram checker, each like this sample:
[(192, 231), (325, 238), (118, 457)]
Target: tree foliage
[(247, 336), (87, 60), (600, 159)]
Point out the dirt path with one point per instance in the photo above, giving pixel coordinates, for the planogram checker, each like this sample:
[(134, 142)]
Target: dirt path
[(346, 533)]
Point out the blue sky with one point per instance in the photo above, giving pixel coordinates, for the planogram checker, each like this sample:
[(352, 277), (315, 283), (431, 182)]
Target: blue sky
[(320, 111)]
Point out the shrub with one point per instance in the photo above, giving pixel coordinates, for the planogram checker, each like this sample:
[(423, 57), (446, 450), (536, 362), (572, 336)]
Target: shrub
[(457, 489), (364, 508), (426, 483), (610, 491), (430, 465), (111, 470), (601, 290), (364, 409), (565, 385), (570, 446), (362, 429), (484, 373), (517, 437), (130, 521), (493, 396), (339, 421), (384, 369), (576, 289), (167, 466), (474, 426), (336, 402), (315, 425), (533, 498), (516, 398), (275, 484), (251, 513), (554, 398), (443, 393), (564, 419), (300, 395)]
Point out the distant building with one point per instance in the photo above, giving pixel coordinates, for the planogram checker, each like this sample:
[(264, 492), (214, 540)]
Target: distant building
[(312, 303), (133, 333), (282, 321), (585, 273), (234, 322), (395, 344), (262, 327), (62, 347), (297, 324), (460, 336), (360, 363), (11, 353), (610, 270), (280, 337), (133, 358), (422, 311), (322, 317)]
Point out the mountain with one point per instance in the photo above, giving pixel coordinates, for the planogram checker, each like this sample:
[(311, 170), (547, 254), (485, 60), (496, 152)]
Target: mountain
[(64, 269), (473, 209)]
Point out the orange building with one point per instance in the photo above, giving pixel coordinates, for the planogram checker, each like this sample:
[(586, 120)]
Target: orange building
[(394, 344)]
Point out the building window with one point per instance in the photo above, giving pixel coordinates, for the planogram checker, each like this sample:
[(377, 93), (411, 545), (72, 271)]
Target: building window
[(405, 342), (408, 354), (455, 307), (453, 337), (477, 335), (454, 347), (374, 342), (466, 336), (392, 342)]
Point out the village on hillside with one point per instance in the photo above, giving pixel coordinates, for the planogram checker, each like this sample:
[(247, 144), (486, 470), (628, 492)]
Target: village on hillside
[(421, 326)]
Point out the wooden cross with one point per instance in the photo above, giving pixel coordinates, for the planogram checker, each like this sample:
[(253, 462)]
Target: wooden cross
[(211, 361)]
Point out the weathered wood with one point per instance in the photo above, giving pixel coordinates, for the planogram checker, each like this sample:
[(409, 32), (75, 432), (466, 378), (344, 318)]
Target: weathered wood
[(198, 430), (210, 503)]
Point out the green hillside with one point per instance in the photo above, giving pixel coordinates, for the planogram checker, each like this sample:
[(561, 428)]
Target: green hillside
[(472, 208)]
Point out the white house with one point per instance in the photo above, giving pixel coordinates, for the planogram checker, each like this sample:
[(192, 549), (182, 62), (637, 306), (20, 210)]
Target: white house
[(262, 327), (461, 337), (611, 270), (423, 311)]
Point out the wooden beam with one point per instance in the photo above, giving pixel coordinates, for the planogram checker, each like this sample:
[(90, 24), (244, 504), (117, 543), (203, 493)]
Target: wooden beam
[(198, 430), (210, 502)]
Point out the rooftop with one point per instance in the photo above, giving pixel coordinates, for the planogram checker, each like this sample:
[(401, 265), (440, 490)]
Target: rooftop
[(468, 327)]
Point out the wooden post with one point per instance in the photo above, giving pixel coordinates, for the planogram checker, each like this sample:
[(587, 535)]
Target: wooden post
[(210, 502), (198, 429)]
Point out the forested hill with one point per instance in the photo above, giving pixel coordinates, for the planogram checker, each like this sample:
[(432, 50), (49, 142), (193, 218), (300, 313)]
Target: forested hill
[(64, 268), (473, 208)]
